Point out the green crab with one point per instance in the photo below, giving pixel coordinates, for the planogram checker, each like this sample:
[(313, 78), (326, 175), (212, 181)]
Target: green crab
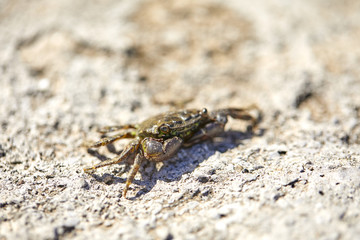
[(158, 138)]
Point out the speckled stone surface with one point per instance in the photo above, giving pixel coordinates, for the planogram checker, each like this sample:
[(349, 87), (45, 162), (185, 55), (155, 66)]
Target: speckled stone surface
[(67, 67)]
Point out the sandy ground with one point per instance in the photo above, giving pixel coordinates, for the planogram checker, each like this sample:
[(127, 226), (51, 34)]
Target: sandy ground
[(67, 67)]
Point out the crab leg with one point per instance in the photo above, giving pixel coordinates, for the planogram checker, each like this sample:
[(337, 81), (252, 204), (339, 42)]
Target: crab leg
[(236, 113), (111, 139), (108, 129), (126, 154), (135, 168), (208, 131)]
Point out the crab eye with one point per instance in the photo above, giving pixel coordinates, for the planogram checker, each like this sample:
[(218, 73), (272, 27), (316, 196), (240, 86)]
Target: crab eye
[(164, 128), (204, 111)]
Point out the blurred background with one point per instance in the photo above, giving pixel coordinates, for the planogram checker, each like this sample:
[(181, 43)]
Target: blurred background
[(131, 55), (68, 66)]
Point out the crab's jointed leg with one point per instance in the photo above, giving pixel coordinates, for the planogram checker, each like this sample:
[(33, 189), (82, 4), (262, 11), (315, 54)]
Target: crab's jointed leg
[(126, 154), (108, 129), (209, 131), (135, 168), (220, 118), (107, 140), (243, 114), (236, 113), (153, 150)]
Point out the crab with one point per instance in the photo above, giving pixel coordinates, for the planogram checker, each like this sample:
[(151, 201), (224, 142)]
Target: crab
[(160, 137)]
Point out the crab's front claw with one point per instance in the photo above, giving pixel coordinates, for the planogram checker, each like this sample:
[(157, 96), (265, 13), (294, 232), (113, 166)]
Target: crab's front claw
[(156, 150)]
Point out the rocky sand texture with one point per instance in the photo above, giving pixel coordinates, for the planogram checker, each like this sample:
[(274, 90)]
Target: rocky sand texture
[(67, 67)]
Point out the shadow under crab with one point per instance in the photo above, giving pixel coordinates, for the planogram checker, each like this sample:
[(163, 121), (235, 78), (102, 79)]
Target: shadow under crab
[(159, 138)]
